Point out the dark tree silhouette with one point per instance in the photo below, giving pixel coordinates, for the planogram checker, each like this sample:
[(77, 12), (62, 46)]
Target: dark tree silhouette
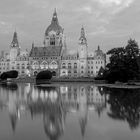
[(9, 74), (123, 64), (125, 106), (44, 75)]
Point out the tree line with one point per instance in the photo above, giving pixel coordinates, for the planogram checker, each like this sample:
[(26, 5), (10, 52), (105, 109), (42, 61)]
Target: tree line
[(123, 63)]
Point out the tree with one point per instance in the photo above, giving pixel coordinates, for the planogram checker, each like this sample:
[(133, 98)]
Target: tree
[(46, 75), (123, 64), (9, 74), (132, 52)]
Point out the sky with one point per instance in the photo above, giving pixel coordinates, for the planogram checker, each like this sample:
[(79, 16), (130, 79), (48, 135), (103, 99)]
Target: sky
[(108, 23)]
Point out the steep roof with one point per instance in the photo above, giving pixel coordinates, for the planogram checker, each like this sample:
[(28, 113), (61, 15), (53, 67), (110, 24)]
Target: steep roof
[(54, 26), (14, 42), (46, 51)]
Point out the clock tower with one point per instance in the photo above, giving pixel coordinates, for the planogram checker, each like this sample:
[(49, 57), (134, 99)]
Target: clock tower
[(83, 53), (54, 33)]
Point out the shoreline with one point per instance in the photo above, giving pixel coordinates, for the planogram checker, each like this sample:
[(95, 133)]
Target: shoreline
[(58, 80), (101, 83)]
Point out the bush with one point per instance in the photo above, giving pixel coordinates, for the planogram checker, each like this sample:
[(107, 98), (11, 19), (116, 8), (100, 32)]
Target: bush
[(9, 74), (44, 75), (3, 76), (12, 74)]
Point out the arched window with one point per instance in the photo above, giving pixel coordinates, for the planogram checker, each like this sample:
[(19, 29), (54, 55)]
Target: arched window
[(52, 41), (53, 73), (75, 65), (44, 65), (53, 65), (63, 65), (35, 65), (69, 65)]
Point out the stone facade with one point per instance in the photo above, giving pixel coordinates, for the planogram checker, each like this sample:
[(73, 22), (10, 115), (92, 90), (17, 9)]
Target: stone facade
[(15, 59), (54, 56)]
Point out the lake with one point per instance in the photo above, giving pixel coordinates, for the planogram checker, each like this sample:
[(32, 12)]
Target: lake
[(68, 112)]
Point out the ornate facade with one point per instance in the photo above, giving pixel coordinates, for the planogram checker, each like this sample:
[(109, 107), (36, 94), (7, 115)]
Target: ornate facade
[(54, 56), (15, 59)]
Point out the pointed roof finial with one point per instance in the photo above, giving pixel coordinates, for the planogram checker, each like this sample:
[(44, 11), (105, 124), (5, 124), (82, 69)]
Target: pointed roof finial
[(98, 47), (32, 44), (82, 32), (15, 40), (55, 13), (82, 36), (55, 10)]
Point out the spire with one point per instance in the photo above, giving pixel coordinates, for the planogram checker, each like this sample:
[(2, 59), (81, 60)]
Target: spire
[(98, 47), (55, 16), (82, 32), (33, 44), (82, 36), (54, 26), (15, 40)]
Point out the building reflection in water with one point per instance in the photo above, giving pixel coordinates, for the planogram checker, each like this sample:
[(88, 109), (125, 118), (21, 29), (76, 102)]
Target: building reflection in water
[(54, 103)]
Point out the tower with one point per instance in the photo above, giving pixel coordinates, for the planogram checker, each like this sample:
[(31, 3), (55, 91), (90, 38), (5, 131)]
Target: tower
[(83, 53), (54, 33), (14, 47)]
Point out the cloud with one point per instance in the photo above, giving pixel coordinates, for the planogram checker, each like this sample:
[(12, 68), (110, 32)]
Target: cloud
[(99, 30), (114, 6), (101, 19), (5, 27)]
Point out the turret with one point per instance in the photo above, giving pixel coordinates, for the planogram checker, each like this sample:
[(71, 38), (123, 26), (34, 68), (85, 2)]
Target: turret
[(14, 42), (82, 45), (83, 53), (14, 47), (82, 39)]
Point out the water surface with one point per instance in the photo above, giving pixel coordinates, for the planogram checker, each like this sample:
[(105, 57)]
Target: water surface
[(68, 112)]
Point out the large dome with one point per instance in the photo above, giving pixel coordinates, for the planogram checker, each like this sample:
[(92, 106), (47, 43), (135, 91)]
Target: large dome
[(54, 26)]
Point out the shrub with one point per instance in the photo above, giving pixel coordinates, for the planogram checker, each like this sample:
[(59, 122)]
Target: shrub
[(44, 75)]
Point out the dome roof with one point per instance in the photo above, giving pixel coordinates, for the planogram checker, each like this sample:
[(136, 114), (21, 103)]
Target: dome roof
[(54, 26)]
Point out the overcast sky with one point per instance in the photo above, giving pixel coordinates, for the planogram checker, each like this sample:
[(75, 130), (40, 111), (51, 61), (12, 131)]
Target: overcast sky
[(108, 23)]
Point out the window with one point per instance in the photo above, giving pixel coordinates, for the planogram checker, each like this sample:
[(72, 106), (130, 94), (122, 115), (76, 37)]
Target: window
[(75, 65), (75, 71), (69, 65), (52, 41), (63, 65)]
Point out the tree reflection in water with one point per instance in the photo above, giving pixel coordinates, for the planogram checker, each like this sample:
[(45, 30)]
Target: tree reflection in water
[(125, 106), (55, 102)]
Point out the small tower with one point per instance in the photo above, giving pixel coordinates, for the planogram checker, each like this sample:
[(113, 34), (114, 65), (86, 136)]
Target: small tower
[(14, 43), (14, 47), (83, 48)]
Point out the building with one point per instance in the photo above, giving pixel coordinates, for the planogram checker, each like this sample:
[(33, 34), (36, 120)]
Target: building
[(53, 55), (16, 59)]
